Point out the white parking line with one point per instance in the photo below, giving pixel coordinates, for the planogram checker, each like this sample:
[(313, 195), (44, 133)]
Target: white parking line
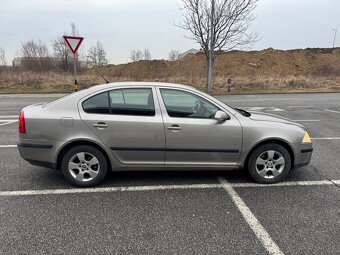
[(8, 146), (6, 120), (161, 187), (9, 116), (252, 221), (331, 111), (7, 123), (108, 189)]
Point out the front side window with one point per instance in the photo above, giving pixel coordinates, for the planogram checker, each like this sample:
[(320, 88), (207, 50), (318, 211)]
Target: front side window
[(181, 104), (138, 102)]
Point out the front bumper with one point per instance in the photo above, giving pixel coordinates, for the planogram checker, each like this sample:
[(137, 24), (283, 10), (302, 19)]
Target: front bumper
[(302, 154)]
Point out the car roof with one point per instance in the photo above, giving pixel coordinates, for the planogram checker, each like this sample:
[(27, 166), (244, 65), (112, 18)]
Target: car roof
[(97, 88), (138, 83)]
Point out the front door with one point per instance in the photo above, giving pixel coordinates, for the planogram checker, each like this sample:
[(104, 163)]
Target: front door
[(129, 122), (193, 136)]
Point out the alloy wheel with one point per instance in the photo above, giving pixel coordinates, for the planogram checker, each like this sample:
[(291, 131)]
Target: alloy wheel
[(270, 164), (84, 166)]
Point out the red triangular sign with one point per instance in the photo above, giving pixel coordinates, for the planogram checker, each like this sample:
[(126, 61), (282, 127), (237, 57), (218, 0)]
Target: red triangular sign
[(73, 42)]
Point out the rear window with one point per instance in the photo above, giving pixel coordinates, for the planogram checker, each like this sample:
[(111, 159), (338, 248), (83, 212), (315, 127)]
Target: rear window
[(97, 104)]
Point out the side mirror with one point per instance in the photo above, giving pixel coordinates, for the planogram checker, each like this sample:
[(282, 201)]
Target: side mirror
[(221, 116)]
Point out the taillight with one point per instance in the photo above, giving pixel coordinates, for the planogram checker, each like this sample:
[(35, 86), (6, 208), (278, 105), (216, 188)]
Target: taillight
[(22, 128)]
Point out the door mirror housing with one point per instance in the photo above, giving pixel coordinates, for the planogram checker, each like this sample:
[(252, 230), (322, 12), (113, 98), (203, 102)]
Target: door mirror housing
[(221, 116)]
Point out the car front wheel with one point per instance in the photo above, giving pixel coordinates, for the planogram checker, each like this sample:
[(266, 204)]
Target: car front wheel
[(269, 163), (84, 166)]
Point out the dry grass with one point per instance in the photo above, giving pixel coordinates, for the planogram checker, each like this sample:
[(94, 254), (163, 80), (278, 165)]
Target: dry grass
[(30, 82)]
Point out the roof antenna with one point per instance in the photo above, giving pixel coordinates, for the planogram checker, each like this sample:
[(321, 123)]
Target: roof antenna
[(106, 80)]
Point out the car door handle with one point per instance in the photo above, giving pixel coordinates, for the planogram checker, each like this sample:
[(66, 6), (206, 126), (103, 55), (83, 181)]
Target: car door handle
[(100, 125), (174, 127)]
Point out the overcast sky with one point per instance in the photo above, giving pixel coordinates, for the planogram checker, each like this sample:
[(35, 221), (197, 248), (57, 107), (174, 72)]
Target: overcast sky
[(124, 25)]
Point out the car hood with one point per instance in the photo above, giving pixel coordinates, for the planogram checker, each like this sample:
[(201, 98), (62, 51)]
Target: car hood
[(257, 116)]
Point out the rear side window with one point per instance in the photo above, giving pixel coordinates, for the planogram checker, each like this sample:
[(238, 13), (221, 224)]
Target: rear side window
[(97, 104), (137, 102)]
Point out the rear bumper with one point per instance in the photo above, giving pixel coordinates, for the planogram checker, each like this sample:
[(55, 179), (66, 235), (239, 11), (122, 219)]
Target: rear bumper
[(302, 154), (42, 164), (38, 153)]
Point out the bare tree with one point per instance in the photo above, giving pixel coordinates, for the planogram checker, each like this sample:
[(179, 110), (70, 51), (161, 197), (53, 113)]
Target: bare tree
[(218, 25), (97, 54), (102, 60), (93, 55), (173, 55), (147, 54), (62, 51), (136, 55), (35, 55), (32, 49), (3, 60)]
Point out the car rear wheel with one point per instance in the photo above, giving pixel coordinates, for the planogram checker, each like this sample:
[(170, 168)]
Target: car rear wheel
[(84, 166), (269, 163)]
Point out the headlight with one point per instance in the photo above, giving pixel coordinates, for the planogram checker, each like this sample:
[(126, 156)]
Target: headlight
[(306, 138)]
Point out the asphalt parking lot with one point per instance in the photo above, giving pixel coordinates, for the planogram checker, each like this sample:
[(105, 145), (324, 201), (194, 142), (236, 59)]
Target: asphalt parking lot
[(177, 212)]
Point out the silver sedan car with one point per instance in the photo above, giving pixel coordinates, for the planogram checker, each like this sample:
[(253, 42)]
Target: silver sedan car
[(132, 126)]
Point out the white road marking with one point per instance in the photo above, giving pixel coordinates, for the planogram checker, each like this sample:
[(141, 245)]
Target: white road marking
[(9, 116), (108, 189), (7, 120), (8, 146), (252, 221), (331, 111), (307, 120), (255, 108), (273, 109), (6, 123), (161, 187)]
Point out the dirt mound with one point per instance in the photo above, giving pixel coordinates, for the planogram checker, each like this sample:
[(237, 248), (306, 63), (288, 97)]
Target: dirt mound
[(266, 62)]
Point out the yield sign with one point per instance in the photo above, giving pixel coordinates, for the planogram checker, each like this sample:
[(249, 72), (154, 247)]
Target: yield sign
[(73, 42)]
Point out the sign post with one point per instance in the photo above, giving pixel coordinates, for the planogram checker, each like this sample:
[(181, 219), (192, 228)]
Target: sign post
[(73, 43)]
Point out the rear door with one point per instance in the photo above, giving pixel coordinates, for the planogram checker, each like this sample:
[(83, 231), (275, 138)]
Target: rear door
[(129, 122), (193, 136)]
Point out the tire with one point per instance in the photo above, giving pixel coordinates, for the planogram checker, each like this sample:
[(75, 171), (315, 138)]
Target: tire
[(84, 166), (269, 163)]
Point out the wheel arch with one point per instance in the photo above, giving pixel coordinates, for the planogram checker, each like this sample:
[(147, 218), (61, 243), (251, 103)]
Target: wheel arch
[(74, 143), (278, 141)]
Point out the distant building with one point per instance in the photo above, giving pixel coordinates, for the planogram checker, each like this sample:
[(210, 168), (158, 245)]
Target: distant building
[(191, 51)]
